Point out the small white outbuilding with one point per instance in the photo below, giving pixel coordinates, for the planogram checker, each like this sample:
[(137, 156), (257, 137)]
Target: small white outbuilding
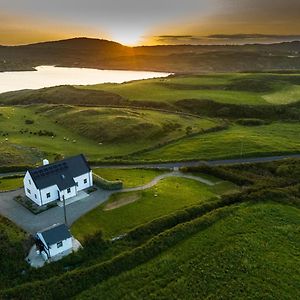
[(54, 241)]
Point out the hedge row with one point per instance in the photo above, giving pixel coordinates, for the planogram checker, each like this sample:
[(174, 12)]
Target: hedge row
[(107, 185), (220, 172), (7, 169), (74, 282)]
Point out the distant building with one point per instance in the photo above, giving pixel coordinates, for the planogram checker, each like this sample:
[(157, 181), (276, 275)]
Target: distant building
[(54, 241), (57, 181)]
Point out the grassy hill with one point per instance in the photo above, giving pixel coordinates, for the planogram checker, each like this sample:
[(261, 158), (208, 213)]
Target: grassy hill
[(237, 88), (30, 133), (102, 54)]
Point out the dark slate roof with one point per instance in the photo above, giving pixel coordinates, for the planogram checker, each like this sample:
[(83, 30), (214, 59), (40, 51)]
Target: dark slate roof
[(56, 234), (60, 173)]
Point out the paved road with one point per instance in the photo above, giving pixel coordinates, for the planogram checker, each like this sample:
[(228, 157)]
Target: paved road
[(33, 223), (194, 163)]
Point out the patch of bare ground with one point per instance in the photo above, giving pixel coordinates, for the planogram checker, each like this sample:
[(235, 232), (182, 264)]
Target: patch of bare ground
[(121, 202)]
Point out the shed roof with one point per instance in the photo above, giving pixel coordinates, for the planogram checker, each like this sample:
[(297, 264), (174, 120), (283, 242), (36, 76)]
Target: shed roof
[(56, 234), (60, 173)]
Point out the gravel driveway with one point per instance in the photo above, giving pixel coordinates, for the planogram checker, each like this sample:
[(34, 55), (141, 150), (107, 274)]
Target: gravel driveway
[(33, 223)]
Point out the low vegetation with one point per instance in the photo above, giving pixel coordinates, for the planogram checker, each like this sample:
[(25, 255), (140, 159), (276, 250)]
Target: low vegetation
[(10, 183), (129, 177), (229, 241)]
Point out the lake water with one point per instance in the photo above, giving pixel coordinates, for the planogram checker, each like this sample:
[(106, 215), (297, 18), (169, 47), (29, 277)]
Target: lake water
[(47, 76)]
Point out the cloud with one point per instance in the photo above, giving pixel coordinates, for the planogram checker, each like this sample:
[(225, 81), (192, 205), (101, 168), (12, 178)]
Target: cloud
[(220, 39)]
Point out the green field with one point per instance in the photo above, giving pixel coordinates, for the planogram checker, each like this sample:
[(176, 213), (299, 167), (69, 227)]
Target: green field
[(236, 88), (251, 254), (7, 183), (237, 141), (129, 177), (167, 196), (97, 132)]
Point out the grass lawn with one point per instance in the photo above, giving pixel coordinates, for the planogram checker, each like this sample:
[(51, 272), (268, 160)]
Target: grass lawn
[(7, 184), (236, 88), (251, 254), (260, 140), (172, 194), (129, 177)]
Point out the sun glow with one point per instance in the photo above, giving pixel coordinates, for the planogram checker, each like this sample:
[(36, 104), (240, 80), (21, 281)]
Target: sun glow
[(128, 38)]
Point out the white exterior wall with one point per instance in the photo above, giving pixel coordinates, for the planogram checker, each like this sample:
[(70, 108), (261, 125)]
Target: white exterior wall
[(53, 190), (53, 250), (67, 245), (34, 194), (80, 181), (67, 195)]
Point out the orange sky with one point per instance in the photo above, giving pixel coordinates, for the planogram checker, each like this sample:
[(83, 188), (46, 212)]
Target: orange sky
[(134, 22)]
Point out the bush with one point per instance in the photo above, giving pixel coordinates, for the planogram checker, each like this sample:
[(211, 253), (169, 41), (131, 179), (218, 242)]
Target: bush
[(107, 185), (252, 122), (29, 122)]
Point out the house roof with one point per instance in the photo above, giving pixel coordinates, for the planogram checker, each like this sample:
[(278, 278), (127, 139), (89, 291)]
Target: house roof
[(60, 173), (56, 234)]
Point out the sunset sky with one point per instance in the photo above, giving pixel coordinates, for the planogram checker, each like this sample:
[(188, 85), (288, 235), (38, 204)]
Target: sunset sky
[(136, 22)]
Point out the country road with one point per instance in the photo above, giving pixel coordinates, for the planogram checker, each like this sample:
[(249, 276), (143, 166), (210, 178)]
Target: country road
[(181, 164), (195, 163)]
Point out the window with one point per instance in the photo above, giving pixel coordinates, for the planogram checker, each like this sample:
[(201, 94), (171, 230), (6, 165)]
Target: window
[(28, 191), (85, 181), (29, 181), (35, 196), (59, 244), (48, 195), (68, 190), (76, 183)]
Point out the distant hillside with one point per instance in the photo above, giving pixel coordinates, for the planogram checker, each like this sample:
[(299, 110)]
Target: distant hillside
[(103, 54)]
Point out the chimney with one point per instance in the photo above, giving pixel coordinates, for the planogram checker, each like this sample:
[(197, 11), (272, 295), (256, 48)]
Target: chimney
[(45, 162)]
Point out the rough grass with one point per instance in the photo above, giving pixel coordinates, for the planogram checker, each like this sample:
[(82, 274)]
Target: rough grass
[(13, 249), (252, 254), (79, 130), (235, 88), (7, 184), (171, 194), (129, 177), (110, 125), (248, 141)]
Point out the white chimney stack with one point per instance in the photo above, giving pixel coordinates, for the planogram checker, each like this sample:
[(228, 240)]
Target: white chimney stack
[(45, 162)]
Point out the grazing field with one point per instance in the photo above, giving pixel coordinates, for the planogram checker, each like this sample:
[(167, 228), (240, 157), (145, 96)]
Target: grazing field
[(7, 183), (129, 177), (125, 211), (237, 141), (28, 134), (236, 88), (251, 254)]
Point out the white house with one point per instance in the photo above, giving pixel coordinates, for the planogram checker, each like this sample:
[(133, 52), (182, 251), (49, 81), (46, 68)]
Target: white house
[(58, 180), (54, 241)]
